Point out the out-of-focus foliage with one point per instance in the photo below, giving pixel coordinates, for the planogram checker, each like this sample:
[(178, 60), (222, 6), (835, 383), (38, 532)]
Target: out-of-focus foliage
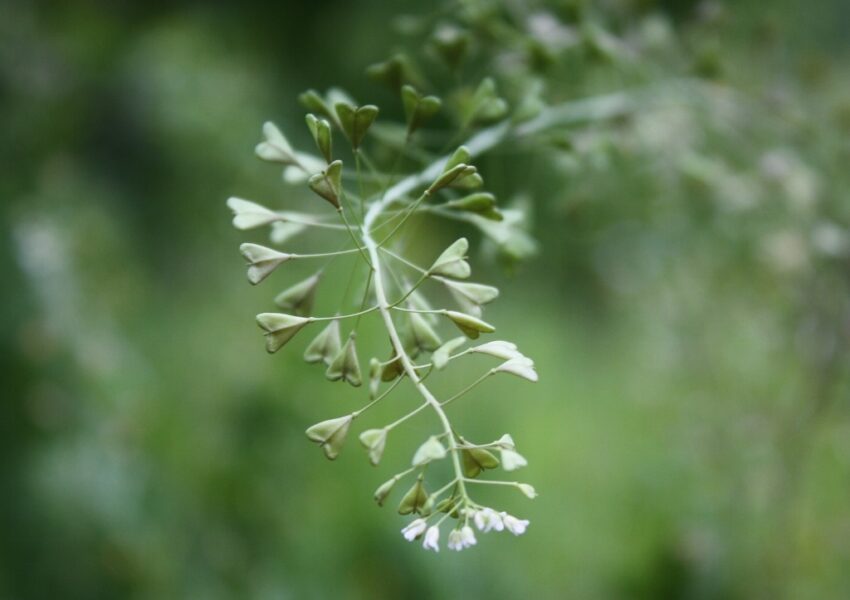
[(688, 308)]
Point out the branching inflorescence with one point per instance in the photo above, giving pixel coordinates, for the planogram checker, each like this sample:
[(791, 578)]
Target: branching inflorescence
[(371, 221)]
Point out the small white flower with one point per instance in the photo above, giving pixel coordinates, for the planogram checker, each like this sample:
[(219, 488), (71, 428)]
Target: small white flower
[(488, 519), (512, 460), (467, 536), (432, 536), (455, 540), (414, 529), (514, 525)]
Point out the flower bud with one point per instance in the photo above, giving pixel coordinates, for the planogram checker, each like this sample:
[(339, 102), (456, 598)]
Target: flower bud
[(528, 490), (279, 328)]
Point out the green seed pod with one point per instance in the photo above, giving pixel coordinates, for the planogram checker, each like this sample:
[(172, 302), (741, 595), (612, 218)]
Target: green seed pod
[(469, 325), (248, 215), (441, 355), (320, 129), (261, 261), (456, 173), (452, 262), (328, 183), (279, 328), (414, 499), (476, 460), (275, 147), (330, 434), (451, 44), (432, 449), (384, 490), (418, 109), (299, 298), (471, 296), (423, 335), (355, 122), (325, 346), (374, 440), (346, 366)]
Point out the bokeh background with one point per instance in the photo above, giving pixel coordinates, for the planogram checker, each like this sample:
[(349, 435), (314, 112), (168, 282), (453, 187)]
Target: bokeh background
[(688, 311)]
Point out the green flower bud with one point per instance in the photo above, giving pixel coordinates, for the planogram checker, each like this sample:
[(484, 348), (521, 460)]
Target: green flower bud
[(279, 328), (328, 184), (345, 365), (261, 261), (476, 460), (432, 449), (441, 355), (325, 346), (374, 441), (452, 262), (320, 129), (330, 434), (414, 499), (299, 297), (355, 122), (469, 325)]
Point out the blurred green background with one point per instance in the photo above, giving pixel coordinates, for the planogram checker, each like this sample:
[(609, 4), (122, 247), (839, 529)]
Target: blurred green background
[(688, 312)]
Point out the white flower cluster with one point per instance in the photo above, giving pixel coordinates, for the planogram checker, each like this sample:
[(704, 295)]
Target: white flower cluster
[(485, 519)]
